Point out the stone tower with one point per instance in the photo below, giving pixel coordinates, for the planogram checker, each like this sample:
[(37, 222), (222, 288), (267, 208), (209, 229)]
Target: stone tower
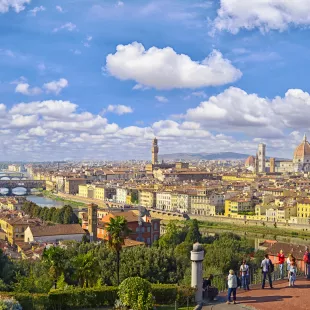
[(197, 255), (261, 154), (92, 221), (155, 152)]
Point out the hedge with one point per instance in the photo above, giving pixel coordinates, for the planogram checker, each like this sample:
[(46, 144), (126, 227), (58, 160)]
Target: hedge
[(95, 297)]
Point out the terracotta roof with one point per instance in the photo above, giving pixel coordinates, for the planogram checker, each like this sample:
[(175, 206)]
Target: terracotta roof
[(302, 150), (297, 251), (61, 229), (250, 161), (130, 243), (128, 215)]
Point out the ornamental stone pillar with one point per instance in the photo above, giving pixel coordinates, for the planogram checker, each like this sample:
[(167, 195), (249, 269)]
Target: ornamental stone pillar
[(197, 255)]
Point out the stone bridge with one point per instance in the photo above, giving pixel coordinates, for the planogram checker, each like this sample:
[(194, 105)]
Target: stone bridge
[(27, 184)]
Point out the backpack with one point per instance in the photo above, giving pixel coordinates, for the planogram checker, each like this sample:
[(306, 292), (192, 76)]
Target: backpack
[(238, 282), (271, 266)]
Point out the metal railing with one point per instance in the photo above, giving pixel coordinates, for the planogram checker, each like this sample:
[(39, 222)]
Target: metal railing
[(255, 277)]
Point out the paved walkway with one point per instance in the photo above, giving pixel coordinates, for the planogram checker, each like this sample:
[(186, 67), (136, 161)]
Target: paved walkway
[(280, 297)]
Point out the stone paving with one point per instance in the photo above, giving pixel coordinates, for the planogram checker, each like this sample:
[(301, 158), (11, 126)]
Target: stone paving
[(280, 297)]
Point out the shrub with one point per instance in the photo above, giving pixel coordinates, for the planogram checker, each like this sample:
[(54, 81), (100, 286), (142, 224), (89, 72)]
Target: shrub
[(136, 293)]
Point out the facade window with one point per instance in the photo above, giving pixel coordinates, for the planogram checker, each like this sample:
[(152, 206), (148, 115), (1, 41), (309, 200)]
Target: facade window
[(149, 229)]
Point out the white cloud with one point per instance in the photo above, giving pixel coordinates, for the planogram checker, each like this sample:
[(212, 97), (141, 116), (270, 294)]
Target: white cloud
[(120, 3), (37, 9), (140, 87), (119, 109), (38, 131), (165, 69), (59, 9), (67, 26), (265, 15), (25, 89), (16, 5), (87, 41), (23, 121), (56, 86), (161, 99)]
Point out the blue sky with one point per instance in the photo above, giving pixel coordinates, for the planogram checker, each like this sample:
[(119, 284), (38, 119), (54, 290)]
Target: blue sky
[(90, 79)]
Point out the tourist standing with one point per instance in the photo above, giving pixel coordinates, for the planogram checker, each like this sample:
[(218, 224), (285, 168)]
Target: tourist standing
[(232, 286), (266, 266), (293, 272), (288, 265), (281, 259), (245, 276), (307, 263)]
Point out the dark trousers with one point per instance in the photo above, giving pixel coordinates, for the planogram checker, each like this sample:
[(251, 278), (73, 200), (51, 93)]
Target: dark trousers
[(234, 292), (265, 274), (245, 282)]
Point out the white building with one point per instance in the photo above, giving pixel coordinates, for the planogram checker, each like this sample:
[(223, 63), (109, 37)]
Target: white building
[(121, 195), (54, 234), (163, 201)]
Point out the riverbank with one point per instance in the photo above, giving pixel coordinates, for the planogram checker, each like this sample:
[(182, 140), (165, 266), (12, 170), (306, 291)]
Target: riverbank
[(72, 203)]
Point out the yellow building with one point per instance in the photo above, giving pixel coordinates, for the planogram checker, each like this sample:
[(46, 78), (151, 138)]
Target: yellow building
[(147, 198), (239, 178), (86, 190), (234, 206), (303, 208)]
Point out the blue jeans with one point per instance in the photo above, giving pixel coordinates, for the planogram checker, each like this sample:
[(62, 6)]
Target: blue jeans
[(234, 292), (281, 270), (245, 282), (265, 274)]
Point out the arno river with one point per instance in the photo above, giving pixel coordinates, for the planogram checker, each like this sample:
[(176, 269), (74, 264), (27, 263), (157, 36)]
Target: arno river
[(45, 202)]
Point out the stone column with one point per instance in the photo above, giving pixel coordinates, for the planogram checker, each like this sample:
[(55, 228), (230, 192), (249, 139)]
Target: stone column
[(197, 255)]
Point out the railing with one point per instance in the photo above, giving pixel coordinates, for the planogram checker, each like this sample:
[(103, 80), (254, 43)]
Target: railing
[(255, 277)]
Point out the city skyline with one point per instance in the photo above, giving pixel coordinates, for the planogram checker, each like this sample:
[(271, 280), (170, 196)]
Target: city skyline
[(99, 80)]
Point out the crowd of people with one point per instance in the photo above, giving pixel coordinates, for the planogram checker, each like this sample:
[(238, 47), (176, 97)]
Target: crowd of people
[(243, 280)]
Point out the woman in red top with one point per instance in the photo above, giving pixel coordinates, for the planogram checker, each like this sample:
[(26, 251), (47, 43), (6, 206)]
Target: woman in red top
[(281, 258)]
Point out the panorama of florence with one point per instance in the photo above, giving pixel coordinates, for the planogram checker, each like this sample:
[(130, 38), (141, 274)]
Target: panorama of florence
[(154, 154)]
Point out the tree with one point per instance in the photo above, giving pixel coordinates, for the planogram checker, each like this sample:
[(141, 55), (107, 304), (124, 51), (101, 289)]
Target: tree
[(174, 235), (86, 269), (193, 235), (117, 230), (55, 258)]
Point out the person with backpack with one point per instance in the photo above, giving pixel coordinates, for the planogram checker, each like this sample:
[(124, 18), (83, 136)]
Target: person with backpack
[(293, 272), (267, 269), (232, 286), (307, 263), (245, 276)]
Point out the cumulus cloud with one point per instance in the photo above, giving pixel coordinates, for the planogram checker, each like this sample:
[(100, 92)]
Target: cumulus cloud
[(161, 99), (37, 9), (56, 86), (16, 5), (119, 109), (165, 69), (265, 15), (25, 89), (67, 26)]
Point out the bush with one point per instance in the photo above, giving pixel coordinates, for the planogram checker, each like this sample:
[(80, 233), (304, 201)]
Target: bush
[(136, 293), (167, 294)]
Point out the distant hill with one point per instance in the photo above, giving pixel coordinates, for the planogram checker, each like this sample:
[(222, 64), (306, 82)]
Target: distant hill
[(203, 156)]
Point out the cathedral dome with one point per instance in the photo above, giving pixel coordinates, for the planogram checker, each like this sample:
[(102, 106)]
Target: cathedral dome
[(302, 150), (250, 161)]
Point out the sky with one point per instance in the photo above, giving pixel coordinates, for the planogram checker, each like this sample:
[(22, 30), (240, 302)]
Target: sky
[(99, 79)]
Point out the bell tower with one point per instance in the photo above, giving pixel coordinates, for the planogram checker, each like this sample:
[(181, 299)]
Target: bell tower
[(155, 152), (92, 221)]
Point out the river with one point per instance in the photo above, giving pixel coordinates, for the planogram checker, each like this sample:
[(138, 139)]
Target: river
[(45, 202)]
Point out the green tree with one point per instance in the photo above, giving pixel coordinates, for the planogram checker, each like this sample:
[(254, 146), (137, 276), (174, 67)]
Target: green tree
[(193, 235), (117, 230), (86, 269), (55, 258), (174, 235)]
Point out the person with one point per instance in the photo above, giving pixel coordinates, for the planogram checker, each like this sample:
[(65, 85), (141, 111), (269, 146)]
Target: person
[(288, 263), (232, 286), (307, 263), (244, 273), (293, 272), (266, 270), (209, 292), (281, 259)]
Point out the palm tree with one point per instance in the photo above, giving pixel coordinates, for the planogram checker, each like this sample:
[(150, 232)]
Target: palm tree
[(117, 230)]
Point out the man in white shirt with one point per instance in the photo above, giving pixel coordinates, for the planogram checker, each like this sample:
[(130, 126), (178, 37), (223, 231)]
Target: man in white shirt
[(244, 272), (265, 265)]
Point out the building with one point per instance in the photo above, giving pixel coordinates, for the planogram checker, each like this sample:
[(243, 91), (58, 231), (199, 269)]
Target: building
[(163, 201), (239, 206), (54, 234), (104, 193), (72, 185), (86, 190), (92, 221), (147, 198), (155, 150), (15, 168), (261, 157), (143, 228), (303, 210), (181, 202)]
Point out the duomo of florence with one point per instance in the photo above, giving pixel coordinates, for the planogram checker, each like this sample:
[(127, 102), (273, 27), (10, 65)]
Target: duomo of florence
[(300, 162)]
